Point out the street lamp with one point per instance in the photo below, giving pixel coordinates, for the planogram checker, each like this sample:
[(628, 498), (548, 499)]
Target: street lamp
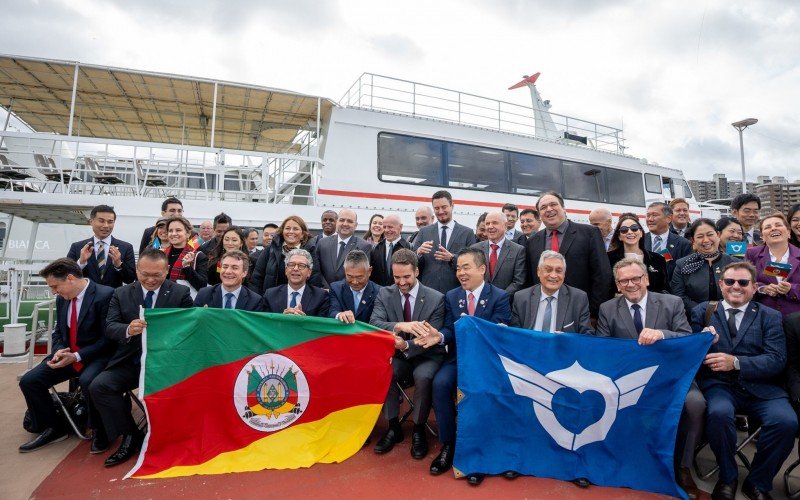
[(740, 126)]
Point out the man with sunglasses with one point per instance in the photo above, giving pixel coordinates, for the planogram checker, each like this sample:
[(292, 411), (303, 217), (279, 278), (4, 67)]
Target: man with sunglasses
[(742, 373)]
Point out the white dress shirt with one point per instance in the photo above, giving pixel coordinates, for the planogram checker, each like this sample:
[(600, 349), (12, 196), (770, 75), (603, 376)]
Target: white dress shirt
[(542, 306), (290, 290), (236, 293), (643, 311), (739, 317), (412, 299)]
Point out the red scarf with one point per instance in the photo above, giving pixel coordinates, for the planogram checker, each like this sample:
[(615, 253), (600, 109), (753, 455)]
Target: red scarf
[(176, 271)]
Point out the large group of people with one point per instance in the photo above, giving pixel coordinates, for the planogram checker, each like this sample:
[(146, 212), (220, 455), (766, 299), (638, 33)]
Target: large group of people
[(668, 277)]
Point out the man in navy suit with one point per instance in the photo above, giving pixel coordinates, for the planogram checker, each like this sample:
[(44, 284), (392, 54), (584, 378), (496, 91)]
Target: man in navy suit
[(742, 372), (298, 296), (230, 294), (353, 298), (103, 258), (661, 240), (475, 297), (79, 349)]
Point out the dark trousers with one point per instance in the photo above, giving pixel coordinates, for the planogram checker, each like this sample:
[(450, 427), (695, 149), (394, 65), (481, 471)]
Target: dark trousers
[(778, 428), (690, 427), (422, 368), (107, 391), (444, 390), (35, 386)]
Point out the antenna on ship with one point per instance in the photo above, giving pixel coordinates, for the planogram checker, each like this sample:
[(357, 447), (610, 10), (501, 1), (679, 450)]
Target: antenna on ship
[(545, 126)]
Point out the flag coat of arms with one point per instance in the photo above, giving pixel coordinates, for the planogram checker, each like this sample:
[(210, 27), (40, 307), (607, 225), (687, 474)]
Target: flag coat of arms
[(570, 406), (233, 391)]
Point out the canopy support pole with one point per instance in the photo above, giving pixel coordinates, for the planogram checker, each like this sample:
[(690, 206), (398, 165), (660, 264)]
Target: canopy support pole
[(72, 102)]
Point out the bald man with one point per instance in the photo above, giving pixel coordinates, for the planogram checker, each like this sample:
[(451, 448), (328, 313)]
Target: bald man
[(330, 252), (505, 259), (382, 253), (423, 218), (601, 219)]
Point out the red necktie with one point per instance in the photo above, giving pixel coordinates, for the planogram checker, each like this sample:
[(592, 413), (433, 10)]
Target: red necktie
[(471, 303), (493, 260), (73, 333), (554, 240)]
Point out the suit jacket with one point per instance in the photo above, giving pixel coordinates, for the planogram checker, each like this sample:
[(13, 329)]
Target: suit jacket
[(656, 269), (209, 245), (517, 234), (678, 248), (522, 239), (759, 344), (112, 277), (124, 308), (91, 341), (314, 302), (147, 235), (342, 300), (694, 288), (212, 296), (510, 271), (331, 265), (441, 276), (493, 305), (377, 260), (270, 269), (429, 306), (664, 312), (785, 304), (587, 265), (572, 311)]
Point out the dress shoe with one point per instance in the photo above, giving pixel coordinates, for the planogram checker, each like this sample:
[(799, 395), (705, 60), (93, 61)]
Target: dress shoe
[(49, 436), (443, 461), (686, 481), (387, 442), (419, 444), (582, 482), (99, 442), (724, 491), (510, 474), (130, 446), (752, 493), (475, 479)]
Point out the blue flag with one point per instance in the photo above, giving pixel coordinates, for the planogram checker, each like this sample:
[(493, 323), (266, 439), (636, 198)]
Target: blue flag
[(568, 406)]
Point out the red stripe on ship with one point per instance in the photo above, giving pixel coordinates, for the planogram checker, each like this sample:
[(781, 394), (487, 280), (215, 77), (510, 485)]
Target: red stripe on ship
[(341, 370)]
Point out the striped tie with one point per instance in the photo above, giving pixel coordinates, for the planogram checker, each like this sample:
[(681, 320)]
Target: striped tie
[(101, 257)]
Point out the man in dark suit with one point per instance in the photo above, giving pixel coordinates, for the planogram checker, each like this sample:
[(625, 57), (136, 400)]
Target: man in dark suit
[(79, 350), (505, 259), (510, 217), (230, 294), (437, 245), (569, 307), (221, 224), (409, 309), (103, 258), (660, 240), (581, 245), (746, 207), (330, 251), (743, 373), (297, 296), (353, 298), (328, 224), (124, 328), (171, 207), (475, 297), (381, 256)]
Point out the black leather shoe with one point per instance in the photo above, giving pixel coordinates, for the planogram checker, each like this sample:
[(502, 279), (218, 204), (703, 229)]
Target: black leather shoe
[(419, 445), (724, 491), (49, 436), (475, 479), (131, 444), (99, 442), (582, 482), (387, 442), (510, 474), (752, 493), (443, 461)]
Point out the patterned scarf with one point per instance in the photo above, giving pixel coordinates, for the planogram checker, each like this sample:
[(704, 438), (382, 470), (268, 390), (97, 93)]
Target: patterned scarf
[(176, 271), (696, 260)]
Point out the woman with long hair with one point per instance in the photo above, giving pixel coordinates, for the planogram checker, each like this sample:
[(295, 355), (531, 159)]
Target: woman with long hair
[(374, 232), (159, 238), (269, 269), (232, 239), (779, 290), (187, 265), (794, 224), (628, 241)]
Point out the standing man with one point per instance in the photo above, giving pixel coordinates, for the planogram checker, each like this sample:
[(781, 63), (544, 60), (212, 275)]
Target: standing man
[(330, 252), (230, 294), (381, 256), (529, 222), (297, 296), (437, 244), (506, 259), (746, 208), (423, 217), (511, 213), (354, 298), (743, 372), (79, 350), (581, 245), (171, 207), (103, 258), (660, 240), (328, 224), (480, 228), (124, 328), (221, 224), (680, 217), (206, 232), (600, 218)]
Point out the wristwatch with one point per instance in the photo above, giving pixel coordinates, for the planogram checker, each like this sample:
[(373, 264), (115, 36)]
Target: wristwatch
[(736, 363)]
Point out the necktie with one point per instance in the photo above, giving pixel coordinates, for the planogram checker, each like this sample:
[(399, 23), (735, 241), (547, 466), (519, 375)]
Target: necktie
[(293, 302), (554, 240), (73, 332), (341, 250), (493, 260), (229, 300), (732, 322), (637, 318), (547, 320), (443, 239), (101, 257), (389, 261), (356, 300), (471, 304), (148, 299), (407, 307), (657, 244)]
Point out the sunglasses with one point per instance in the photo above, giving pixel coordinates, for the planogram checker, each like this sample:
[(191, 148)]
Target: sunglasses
[(632, 227), (730, 281)]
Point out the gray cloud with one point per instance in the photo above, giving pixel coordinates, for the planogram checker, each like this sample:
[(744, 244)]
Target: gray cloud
[(397, 46)]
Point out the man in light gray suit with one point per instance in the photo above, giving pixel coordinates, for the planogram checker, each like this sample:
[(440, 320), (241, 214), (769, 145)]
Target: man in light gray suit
[(331, 250), (409, 309), (569, 307), (437, 245), (505, 259)]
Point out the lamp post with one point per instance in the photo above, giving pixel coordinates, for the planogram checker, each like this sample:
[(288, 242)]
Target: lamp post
[(740, 126)]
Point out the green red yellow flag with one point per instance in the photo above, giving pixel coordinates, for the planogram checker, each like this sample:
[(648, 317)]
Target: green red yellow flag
[(234, 391)]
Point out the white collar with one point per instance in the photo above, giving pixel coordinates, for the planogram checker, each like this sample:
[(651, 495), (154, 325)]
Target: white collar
[(726, 306), (499, 243), (544, 294), (477, 292), (642, 303)]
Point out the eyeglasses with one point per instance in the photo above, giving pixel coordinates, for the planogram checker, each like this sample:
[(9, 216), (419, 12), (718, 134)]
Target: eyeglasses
[(632, 227), (634, 281), (297, 265), (730, 281)]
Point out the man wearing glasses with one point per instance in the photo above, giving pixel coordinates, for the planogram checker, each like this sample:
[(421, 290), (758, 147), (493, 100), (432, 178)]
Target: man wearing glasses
[(298, 296), (742, 373)]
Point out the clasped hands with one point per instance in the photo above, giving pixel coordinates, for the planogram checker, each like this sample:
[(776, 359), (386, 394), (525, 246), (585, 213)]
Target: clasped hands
[(61, 358), (424, 335), (441, 254), (775, 289)]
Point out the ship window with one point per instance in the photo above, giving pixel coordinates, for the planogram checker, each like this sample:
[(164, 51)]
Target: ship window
[(534, 174), (584, 182), (652, 183), (410, 160), (472, 167), (625, 188)]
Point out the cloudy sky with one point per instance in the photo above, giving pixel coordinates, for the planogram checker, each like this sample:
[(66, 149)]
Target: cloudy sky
[(673, 74)]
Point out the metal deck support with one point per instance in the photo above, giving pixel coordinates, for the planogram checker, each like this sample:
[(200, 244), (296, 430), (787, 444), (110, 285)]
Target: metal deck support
[(72, 102), (213, 115)]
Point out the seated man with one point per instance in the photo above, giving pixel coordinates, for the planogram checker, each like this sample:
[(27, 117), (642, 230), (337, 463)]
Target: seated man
[(475, 297), (569, 307), (124, 328), (409, 309), (353, 298), (79, 350), (742, 372), (230, 294), (297, 296)]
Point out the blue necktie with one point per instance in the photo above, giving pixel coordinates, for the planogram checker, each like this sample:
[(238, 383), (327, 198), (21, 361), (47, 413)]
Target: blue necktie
[(229, 300), (657, 244), (293, 302), (356, 300), (148, 299), (637, 318), (547, 321)]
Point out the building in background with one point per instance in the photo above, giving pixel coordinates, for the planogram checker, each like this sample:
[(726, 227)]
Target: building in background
[(777, 193)]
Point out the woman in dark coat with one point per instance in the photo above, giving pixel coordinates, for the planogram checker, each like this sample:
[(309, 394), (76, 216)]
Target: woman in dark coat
[(628, 241), (269, 270)]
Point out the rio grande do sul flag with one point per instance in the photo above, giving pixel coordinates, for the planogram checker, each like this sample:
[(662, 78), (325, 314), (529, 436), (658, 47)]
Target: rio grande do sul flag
[(234, 391)]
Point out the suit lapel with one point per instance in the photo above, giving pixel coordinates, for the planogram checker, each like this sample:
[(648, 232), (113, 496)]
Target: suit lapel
[(653, 310), (397, 305), (163, 295), (502, 256), (418, 305), (306, 298), (536, 296), (747, 320), (480, 307), (625, 316), (347, 297), (648, 242), (561, 307), (86, 304), (569, 237), (244, 295)]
